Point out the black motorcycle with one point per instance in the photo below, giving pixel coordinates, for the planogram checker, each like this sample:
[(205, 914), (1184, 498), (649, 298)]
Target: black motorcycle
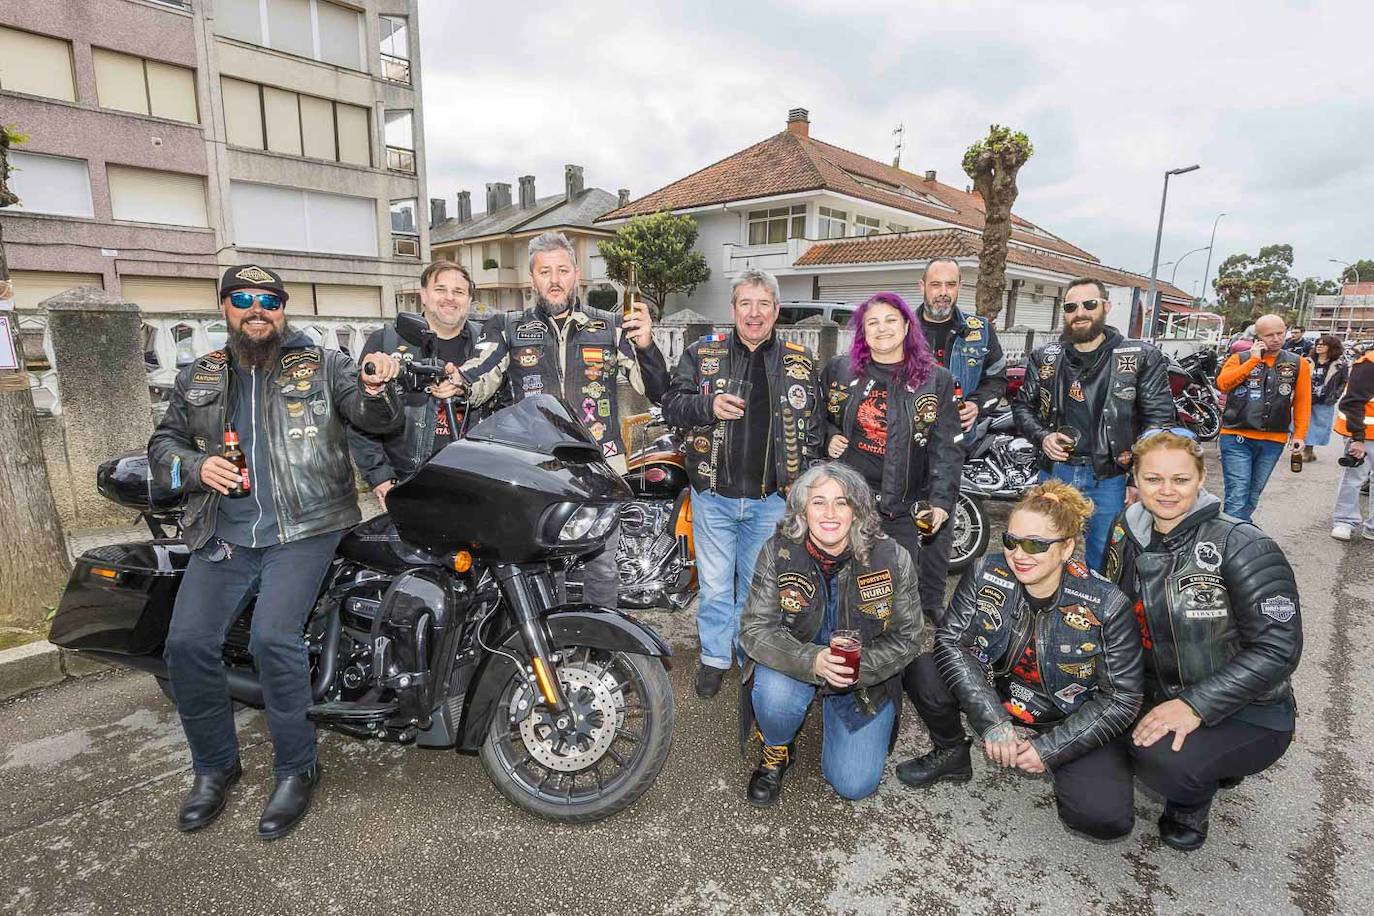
[(437, 623), (1191, 382)]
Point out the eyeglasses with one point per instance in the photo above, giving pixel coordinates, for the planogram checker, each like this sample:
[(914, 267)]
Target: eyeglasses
[(267, 301), (1183, 431), (1029, 545), (1088, 305)]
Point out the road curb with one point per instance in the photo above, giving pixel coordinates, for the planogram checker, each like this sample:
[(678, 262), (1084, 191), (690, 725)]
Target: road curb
[(41, 664)]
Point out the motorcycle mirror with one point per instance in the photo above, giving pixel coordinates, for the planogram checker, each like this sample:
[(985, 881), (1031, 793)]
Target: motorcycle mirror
[(413, 329)]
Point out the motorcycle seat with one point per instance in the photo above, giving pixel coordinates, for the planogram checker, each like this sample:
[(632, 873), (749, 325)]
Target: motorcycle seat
[(1002, 422)]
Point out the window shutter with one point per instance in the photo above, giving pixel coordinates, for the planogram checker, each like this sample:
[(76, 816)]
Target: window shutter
[(288, 27), (242, 113), (317, 127), (346, 301), (355, 144), (119, 81), (51, 184), (172, 91), (31, 287), (283, 120), (340, 35), (146, 196), (36, 64), (171, 294)]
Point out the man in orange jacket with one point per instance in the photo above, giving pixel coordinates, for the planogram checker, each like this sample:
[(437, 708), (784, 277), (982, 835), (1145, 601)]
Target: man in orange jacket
[(1354, 421), (1269, 398)]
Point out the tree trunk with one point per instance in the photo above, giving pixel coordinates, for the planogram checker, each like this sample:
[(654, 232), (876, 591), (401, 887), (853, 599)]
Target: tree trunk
[(33, 553), (998, 189)]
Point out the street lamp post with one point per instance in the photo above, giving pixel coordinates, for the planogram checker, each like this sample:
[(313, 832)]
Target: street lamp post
[(1152, 299), (1173, 277), (1208, 269), (1350, 318)]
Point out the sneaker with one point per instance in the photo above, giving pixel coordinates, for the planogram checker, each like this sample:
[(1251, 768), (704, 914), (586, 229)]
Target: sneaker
[(944, 764), (1308, 454), (1342, 532), (1367, 534), (765, 784), (1184, 829), (708, 681)]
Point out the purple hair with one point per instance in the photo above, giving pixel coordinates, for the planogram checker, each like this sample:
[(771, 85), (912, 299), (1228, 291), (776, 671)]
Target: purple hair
[(918, 361)]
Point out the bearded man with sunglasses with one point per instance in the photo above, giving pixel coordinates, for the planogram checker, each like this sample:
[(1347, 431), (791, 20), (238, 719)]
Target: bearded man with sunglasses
[(287, 399), (1086, 398)]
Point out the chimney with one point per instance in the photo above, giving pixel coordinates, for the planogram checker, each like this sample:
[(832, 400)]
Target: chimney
[(464, 214), (526, 192), (572, 180), (930, 174), (498, 196), (438, 211), (624, 197), (799, 122)]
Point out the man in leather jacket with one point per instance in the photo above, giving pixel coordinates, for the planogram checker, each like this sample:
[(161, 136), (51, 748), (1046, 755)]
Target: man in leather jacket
[(288, 400), (741, 455), (1071, 671), (446, 292), (562, 347), (1107, 388)]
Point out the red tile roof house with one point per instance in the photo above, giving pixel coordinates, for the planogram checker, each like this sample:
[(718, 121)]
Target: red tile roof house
[(836, 226)]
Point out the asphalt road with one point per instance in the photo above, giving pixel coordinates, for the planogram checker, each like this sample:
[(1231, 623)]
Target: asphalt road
[(91, 773)]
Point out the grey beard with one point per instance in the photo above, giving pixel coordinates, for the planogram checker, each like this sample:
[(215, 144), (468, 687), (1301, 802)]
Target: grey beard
[(257, 354), (555, 310), (939, 312)]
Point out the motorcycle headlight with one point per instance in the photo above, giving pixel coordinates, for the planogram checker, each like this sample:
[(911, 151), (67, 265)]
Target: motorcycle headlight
[(580, 523)]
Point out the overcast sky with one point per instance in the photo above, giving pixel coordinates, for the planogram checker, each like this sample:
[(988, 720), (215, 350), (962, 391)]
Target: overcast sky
[(1276, 104)]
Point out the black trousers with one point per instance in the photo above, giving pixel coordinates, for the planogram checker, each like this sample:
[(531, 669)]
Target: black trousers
[(1228, 750), (1093, 793), (601, 575), (933, 570)]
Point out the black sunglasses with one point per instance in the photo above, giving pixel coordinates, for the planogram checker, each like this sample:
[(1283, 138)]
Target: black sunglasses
[(1088, 305), (1028, 544), (267, 301)]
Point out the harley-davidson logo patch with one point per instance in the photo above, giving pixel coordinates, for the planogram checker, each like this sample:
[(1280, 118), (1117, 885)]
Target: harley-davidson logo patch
[(795, 591)]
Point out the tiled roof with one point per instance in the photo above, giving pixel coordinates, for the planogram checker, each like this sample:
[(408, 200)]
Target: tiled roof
[(546, 213), (959, 243), (787, 163)]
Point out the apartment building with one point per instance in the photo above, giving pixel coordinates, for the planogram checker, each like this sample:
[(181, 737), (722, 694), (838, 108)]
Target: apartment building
[(169, 139)]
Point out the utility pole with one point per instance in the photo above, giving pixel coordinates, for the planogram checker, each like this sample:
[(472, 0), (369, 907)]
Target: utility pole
[(898, 132)]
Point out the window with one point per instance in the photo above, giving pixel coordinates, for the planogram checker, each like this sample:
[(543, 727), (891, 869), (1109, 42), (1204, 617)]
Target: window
[(403, 217), (779, 224), (50, 184), (867, 225), (127, 83), (395, 48), (146, 196), (36, 64), (263, 117), (400, 141), (315, 29), (293, 219), (831, 224), (171, 294), (337, 299)]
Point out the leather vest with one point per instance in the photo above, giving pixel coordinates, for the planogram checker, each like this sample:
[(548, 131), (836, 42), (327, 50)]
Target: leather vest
[(1264, 401), (1117, 427)]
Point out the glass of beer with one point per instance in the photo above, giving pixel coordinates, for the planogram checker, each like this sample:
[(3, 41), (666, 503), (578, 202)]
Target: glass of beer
[(922, 515), (1072, 435), (848, 645), (739, 388)]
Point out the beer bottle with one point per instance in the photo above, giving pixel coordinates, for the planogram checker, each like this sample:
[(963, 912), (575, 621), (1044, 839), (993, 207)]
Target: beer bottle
[(234, 455), (1296, 462), (631, 294)]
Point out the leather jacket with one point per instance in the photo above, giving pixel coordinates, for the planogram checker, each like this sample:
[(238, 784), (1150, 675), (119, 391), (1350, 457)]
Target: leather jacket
[(1219, 606), (311, 391), (525, 353), (716, 448), (1137, 398), (393, 457), (1264, 401), (922, 460), (1086, 646)]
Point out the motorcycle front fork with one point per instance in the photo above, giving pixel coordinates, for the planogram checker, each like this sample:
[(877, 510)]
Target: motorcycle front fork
[(527, 593)]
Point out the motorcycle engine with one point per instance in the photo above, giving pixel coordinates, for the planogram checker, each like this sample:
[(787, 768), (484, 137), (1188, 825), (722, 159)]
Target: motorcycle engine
[(1021, 469), (648, 561)]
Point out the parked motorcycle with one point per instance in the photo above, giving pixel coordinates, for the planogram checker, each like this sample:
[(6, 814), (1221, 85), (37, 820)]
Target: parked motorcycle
[(436, 624), (1195, 396), (1000, 466)]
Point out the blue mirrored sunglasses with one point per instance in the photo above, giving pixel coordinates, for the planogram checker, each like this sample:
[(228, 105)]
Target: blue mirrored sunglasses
[(1183, 431), (267, 301)]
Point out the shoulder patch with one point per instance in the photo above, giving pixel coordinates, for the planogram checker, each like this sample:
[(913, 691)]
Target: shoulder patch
[(713, 338), (973, 322), (875, 585), (1280, 608), (794, 346)]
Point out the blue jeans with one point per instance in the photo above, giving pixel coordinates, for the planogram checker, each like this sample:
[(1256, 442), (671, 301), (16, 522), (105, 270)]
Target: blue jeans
[(728, 534), (1319, 427), (1109, 498), (1245, 467), (851, 761)]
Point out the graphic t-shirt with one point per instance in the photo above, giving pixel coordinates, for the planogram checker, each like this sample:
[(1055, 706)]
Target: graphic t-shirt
[(1026, 699), (454, 350), (868, 444), (937, 335)]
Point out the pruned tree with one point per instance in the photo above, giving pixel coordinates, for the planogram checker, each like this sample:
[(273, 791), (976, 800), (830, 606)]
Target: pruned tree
[(993, 163), (1259, 296), (33, 553), (662, 248)]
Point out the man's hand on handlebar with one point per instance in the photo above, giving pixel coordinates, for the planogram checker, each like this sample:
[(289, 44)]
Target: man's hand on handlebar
[(377, 370), (452, 385)]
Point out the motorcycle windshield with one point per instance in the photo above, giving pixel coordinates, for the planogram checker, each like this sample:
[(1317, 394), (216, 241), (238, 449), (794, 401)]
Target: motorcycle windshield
[(540, 423)]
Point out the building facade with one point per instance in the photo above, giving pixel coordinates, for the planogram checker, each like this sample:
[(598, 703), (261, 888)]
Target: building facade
[(169, 139), (1349, 314)]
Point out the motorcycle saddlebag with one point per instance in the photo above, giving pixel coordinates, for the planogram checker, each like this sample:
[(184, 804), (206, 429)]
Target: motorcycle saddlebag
[(119, 598)]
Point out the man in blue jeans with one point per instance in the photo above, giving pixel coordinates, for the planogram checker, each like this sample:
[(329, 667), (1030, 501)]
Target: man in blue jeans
[(1086, 398), (751, 405)]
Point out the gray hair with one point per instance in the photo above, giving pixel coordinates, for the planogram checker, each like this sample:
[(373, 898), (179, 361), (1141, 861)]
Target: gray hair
[(867, 527), (941, 260), (753, 277), (551, 241)]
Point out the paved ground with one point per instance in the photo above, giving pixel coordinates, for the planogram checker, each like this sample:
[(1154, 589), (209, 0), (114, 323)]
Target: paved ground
[(91, 773)]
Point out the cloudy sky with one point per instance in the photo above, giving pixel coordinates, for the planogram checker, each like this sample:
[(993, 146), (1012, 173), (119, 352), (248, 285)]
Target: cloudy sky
[(1276, 103)]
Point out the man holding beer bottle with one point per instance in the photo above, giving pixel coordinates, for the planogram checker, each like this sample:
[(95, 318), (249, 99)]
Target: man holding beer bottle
[(254, 437)]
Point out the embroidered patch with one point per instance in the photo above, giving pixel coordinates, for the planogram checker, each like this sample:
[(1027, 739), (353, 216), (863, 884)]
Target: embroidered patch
[(798, 371), (592, 355), (710, 365), (529, 332), (1126, 394), (794, 346), (875, 585), (1046, 372), (795, 591), (176, 472), (796, 396), (1071, 692), (989, 603), (973, 322), (1279, 607), (1285, 389), (594, 390), (1005, 583), (882, 610), (532, 383), (290, 359), (1077, 569), (594, 325), (1207, 556), (205, 378), (1091, 599), (927, 408), (527, 357), (1082, 671), (1080, 618), (254, 274), (1127, 362)]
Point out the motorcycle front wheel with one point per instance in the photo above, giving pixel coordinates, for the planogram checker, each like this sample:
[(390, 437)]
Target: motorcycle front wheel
[(1208, 422), (622, 706), (971, 532)]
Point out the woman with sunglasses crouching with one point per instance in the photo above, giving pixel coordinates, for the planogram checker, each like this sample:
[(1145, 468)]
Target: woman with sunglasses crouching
[(1217, 608), (1033, 639)]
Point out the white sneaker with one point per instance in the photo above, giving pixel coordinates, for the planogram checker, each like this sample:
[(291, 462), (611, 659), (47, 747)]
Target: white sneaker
[(1342, 531), (1367, 534)]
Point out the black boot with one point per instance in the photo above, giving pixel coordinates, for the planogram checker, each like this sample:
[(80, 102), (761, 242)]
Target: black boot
[(944, 764), (206, 799), (288, 804), (709, 680), (1183, 828), (765, 785)]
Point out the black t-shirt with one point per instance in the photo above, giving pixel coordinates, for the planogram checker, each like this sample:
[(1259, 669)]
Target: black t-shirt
[(1079, 409), (758, 477), (937, 335), (868, 445), (455, 350)]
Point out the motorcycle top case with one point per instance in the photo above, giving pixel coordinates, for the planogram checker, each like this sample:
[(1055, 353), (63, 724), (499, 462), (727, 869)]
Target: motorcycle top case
[(119, 598), (129, 481)]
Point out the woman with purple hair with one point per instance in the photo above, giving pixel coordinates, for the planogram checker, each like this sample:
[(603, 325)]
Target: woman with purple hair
[(892, 416)]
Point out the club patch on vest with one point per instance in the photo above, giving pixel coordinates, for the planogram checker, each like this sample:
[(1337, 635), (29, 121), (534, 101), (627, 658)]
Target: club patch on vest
[(989, 602), (795, 591), (1071, 692), (1082, 671), (1080, 618), (1203, 596), (875, 586), (529, 332), (1127, 362), (1279, 607), (710, 365), (927, 408), (1207, 556)]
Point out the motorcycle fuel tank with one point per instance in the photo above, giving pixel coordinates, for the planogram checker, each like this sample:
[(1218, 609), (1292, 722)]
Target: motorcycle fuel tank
[(510, 489)]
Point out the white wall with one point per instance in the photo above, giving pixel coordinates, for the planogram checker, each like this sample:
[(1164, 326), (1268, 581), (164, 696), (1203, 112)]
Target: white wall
[(712, 298)]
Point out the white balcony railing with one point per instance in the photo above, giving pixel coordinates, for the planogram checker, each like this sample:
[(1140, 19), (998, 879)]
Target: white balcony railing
[(775, 256), (497, 276)]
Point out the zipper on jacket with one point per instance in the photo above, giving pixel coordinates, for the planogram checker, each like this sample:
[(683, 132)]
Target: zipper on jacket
[(1019, 648), (253, 455), (282, 532), (768, 439)]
